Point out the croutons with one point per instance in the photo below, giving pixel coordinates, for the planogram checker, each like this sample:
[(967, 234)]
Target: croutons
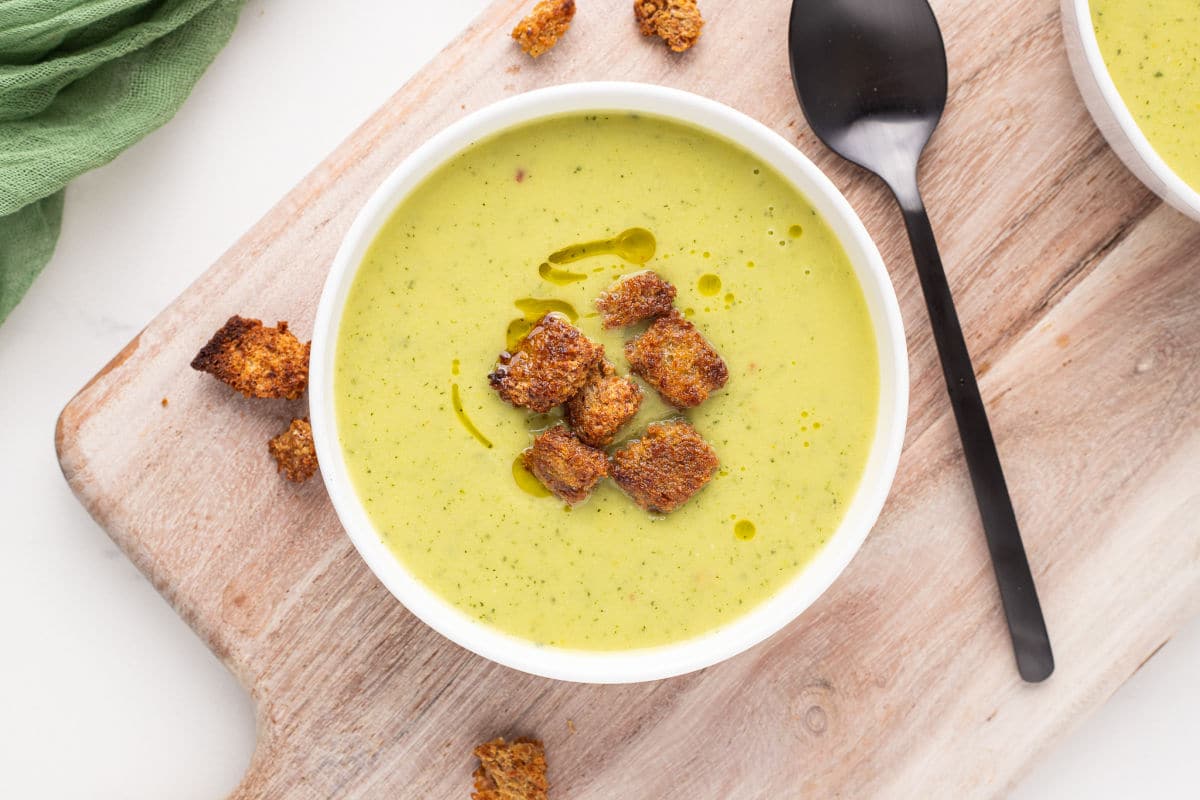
[(550, 364), (294, 452), (634, 298), (677, 361), (540, 29), (566, 466), (255, 360), (514, 771), (665, 467), (605, 403), (676, 22)]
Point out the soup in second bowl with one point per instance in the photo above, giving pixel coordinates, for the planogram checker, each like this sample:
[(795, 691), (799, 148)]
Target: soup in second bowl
[(1152, 51)]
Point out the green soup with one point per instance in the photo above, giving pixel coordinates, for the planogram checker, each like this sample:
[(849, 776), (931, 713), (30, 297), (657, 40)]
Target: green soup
[(431, 448), (1152, 50)]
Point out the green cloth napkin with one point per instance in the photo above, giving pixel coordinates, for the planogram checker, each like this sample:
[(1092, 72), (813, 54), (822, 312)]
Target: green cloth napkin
[(81, 80)]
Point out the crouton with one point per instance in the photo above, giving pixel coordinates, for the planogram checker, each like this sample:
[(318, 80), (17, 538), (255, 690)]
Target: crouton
[(255, 360), (551, 363), (676, 22), (605, 403), (677, 361), (566, 466), (665, 467), (634, 298), (514, 771), (294, 452), (540, 29)]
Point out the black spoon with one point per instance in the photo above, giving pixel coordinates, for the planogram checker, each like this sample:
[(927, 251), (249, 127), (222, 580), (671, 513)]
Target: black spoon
[(871, 78)]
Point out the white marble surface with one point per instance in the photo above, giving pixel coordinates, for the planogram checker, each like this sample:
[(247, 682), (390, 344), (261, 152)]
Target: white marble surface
[(104, 692)]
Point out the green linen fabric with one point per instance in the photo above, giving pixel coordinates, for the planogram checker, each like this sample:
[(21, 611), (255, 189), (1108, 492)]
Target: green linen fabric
[(81, 80)]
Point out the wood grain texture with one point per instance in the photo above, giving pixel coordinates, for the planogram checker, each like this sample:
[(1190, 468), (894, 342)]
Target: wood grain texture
[(1079, 292)]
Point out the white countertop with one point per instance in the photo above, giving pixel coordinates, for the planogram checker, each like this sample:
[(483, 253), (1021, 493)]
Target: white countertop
[(105, 693)]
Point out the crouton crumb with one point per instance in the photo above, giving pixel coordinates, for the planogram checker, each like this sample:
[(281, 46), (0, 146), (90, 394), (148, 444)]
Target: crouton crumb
[(255, 360), (676, 22), (550, 364), (540, 30), (665, 467), (294, 452), (605, 403), (634, 298), (674, 358), (566, 466), (515, 771)]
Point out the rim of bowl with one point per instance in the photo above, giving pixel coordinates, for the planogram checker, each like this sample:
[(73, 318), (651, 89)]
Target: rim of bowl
[(1178, 192), (676, 658)]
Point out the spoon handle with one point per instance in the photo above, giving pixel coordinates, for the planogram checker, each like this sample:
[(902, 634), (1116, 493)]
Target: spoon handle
[(1031, 642)]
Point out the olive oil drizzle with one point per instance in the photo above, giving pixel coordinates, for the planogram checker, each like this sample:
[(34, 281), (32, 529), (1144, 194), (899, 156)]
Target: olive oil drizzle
[(460, 412), (526, 480), (709, 284), (559, 277), (636, 245), (517, 329), (535, 307)]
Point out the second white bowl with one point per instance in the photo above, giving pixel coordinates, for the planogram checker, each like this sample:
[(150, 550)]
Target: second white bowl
[(1112, 116)]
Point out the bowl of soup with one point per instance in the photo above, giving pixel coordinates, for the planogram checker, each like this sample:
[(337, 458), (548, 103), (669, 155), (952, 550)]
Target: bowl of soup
[(447, 261), (1137, 63)]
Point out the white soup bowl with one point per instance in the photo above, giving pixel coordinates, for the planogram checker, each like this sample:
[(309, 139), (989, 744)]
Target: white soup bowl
[(861, 513)]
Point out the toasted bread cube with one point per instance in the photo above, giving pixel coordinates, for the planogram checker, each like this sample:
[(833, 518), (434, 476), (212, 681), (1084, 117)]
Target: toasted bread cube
[(605, 403), (566, 466), (255, 360), (677, 361), (514, 771), (550, 364), (665, 467), (294, 452), (634, 298), (540, 29), (676, 22)]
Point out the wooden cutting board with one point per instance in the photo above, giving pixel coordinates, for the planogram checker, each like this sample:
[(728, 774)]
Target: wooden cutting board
[(1080, 293)]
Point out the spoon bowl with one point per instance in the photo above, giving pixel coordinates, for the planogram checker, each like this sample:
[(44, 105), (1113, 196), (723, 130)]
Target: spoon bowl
[(872, 79)]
